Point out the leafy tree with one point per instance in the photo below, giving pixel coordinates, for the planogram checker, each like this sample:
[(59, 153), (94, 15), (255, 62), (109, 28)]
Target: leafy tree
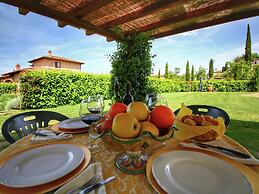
[(248, 51), (211, 68), (239, 70), (166, 71), (132, 61), (177, 70), (175, 74), (226, 67), (171, 75), (201, 73), (187, 73), (192, 75), (158, 74), (253, 57)]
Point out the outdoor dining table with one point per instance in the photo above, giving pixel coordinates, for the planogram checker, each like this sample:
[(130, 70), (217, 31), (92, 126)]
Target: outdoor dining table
[(124, 183)]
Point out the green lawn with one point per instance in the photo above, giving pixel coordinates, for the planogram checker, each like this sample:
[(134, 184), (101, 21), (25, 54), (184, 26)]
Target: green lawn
[(243, 109)]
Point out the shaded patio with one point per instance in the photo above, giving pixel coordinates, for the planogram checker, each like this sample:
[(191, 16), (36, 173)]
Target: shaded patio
[(159, 17)]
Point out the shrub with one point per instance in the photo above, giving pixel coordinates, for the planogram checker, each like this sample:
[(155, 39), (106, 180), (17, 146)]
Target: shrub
[(14, 103), (4, 98), (45, 88), (165, 85), (49, 88), (7, 88), (257, 78)]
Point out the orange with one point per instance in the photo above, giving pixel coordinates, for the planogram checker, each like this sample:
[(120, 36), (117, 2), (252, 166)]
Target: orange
[(117, 108), (162, 117)]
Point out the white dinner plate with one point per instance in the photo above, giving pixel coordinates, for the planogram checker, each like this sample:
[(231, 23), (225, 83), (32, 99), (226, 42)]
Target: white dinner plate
[(74, 123), (187, 172), (41, 165)]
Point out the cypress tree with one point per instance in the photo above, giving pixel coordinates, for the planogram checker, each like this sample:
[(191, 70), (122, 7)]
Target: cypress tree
[(192, 76), (211, 68), (187, 73), (248, 52), (166, 70), (158, 74)]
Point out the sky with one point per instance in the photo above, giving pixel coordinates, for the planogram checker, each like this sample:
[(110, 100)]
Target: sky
[(23, 38)]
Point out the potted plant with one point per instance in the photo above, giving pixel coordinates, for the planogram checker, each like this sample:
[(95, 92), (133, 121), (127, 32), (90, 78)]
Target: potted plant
[(210, 88)]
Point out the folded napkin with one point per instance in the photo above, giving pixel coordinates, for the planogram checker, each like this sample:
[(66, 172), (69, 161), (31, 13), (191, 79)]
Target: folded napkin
[(186, 131), (249, 161), (83, 178), (50, 135)]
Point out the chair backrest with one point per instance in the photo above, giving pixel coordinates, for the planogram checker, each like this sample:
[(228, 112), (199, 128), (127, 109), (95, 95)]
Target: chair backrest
[(24, 124), (208, 110)]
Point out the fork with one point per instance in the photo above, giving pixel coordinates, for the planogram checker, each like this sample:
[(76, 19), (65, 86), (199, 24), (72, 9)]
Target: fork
[(92, 181)]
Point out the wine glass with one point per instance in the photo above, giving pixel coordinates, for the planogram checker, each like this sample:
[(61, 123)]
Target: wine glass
[(156, 101), (94, 105)]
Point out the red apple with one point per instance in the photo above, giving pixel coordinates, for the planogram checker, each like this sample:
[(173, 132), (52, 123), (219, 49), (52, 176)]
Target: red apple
[(117, 108), (106, 125)]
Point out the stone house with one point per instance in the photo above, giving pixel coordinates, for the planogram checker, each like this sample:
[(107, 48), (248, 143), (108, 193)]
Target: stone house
[(255, 62), (44, 62), (55, 62)]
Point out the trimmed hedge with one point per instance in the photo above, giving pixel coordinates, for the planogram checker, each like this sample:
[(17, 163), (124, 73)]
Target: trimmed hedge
[(167, 85), (49, 88), (6, 88)]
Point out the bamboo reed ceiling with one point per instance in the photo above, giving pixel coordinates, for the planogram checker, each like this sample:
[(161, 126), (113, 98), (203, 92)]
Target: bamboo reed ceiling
[(159, 17)]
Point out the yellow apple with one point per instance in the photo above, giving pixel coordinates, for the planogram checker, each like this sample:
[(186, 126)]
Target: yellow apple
[(150, 127), (139, 110), (125, 125)]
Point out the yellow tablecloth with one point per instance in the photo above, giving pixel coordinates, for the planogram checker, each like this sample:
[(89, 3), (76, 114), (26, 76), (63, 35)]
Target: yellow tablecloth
[(124, 183)]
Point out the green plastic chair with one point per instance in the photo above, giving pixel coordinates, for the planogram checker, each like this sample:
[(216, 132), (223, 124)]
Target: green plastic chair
[(23, 124)]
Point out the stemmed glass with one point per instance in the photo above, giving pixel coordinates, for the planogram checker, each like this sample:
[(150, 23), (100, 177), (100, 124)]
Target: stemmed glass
[(156, 101), (94, 105)]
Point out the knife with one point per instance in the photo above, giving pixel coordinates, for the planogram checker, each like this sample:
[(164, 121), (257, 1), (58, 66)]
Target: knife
[(226, 150), (39, 134), (93, 187)]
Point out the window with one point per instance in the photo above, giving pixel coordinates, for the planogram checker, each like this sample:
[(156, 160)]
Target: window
[(57, 64)]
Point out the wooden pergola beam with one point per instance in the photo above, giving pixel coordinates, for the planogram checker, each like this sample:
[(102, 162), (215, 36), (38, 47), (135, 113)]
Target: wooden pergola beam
[(86, 9), (194, 14), (23, 11), (230, 18), (155, 7), (92, 7), (59, 16)]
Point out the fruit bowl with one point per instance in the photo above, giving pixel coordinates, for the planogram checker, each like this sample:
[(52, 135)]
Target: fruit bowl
[(130, 129), (132, 158)]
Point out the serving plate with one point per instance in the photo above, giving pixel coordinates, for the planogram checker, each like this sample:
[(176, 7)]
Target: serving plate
[(74, 123), (41, 165), (185, 172)]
